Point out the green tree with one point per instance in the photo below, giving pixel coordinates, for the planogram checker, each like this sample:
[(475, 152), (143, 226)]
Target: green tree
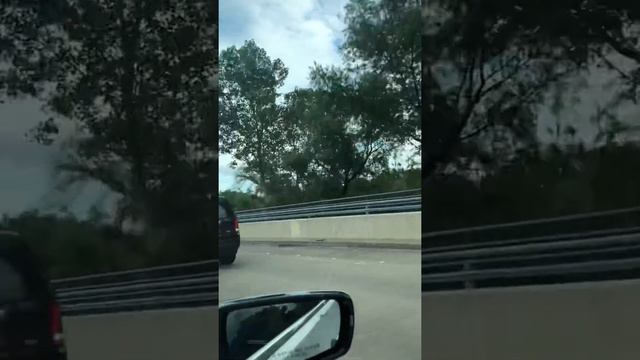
[(28, 40), (383, 36), (516, 51), (314, 143), (242, 200), (483, 76), (598, 35), (136, 79), (251, 126), (346, 129), (558, 182)]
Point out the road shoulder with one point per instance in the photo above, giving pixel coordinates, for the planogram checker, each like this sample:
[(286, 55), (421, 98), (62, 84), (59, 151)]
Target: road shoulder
[(325, 243)]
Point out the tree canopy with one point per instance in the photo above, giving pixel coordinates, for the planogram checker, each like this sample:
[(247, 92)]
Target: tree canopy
[(128, 87), (493, 73), (345, 127)]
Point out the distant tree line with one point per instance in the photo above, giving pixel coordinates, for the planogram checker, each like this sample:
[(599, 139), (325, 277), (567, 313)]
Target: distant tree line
[(391, 180), (554, 184), (69, 246)]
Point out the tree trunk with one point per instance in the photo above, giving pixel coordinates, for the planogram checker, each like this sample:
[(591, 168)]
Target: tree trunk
[(345, 188)]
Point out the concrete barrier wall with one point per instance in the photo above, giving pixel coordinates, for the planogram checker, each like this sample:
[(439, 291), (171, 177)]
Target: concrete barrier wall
[(146, 335), (571, 322), (401, 228)]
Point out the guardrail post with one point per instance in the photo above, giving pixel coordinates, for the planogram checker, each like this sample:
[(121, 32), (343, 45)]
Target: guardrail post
[(468, 284)]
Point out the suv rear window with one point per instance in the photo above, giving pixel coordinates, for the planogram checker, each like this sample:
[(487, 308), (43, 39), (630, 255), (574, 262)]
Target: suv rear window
[(222, 212), (12, 284)]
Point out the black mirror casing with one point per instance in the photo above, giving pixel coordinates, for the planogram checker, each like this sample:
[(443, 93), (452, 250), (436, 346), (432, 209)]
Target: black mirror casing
[(347, 321)]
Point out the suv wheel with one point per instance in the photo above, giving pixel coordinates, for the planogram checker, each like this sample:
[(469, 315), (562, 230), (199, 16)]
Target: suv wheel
[(227, 260)]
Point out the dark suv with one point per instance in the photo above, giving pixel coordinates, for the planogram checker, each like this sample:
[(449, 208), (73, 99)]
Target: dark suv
[(228, 232), (30, 318)]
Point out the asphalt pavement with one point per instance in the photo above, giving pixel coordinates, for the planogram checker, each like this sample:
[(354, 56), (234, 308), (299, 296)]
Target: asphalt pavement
[(383, 283)]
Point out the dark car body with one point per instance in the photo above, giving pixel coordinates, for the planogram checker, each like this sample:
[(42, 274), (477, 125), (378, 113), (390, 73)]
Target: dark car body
[(228, 232), (30, 319)]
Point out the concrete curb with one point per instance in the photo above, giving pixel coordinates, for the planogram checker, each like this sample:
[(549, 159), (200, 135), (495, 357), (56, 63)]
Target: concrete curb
[(322, 243)]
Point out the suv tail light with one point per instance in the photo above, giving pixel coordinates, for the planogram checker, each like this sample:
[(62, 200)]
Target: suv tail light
[(236, 224), (56, 325)]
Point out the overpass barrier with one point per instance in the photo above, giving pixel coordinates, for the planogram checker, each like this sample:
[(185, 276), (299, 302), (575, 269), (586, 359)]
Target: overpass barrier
[(383, 203), (390, 229)]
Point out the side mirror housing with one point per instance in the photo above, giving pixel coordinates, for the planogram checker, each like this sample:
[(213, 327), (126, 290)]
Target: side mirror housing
[(294, 326)]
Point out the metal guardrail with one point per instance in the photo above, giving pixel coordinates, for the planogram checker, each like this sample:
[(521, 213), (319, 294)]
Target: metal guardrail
[(394, 202), (585, 247), (577, 223), (182, 285)]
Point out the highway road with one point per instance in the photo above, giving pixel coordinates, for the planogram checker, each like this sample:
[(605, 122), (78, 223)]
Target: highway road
[(384, 285)]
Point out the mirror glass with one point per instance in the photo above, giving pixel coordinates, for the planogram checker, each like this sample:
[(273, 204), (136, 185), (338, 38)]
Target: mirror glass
[(284, 331)]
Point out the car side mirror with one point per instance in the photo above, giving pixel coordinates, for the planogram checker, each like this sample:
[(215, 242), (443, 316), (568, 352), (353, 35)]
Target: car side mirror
[(293, 326)]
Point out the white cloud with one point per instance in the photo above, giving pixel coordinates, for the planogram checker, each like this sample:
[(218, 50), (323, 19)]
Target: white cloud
[(298, 32), (27, 168), (226, 175)]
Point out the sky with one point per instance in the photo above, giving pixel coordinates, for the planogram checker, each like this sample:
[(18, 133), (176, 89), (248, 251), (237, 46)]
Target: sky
[(298, 32), (22, 164), (26, 168), (592, 91)]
